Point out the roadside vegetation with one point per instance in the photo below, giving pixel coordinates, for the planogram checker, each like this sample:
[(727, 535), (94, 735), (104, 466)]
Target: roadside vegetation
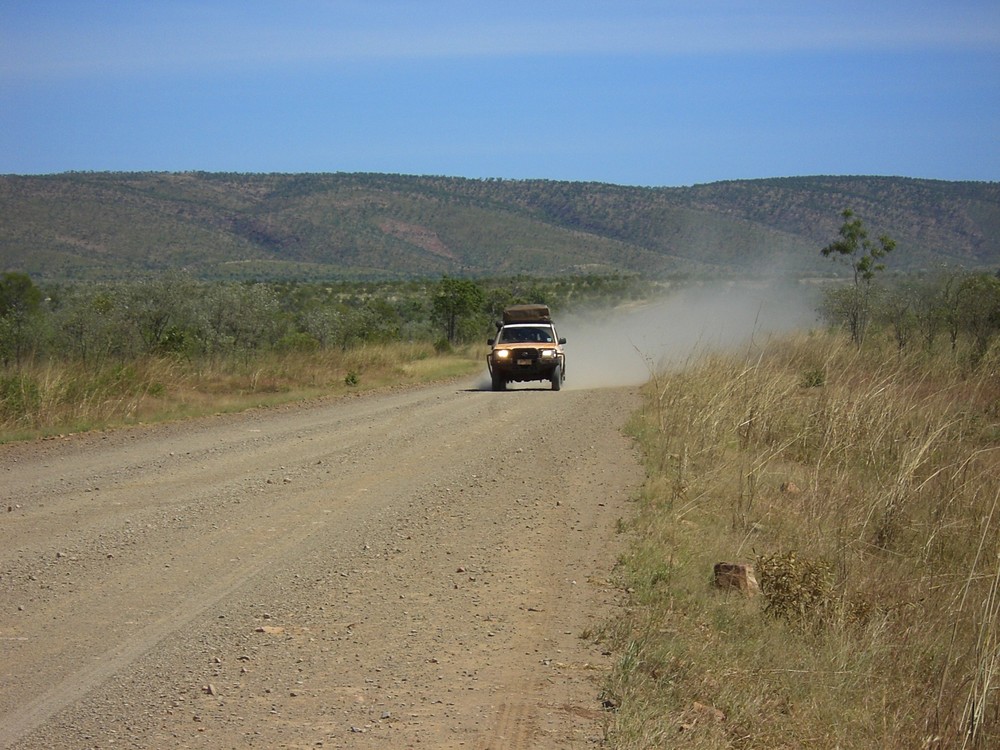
[(93, 355), (857, 470)]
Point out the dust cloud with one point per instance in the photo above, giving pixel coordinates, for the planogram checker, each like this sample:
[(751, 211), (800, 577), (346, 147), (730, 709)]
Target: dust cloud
[(622, 347)]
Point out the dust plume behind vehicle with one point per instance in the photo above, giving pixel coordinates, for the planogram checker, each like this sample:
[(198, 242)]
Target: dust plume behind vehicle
[(623, 346)]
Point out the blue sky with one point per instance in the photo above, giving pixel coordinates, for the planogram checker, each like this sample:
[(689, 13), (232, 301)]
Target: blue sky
[(633, 92)]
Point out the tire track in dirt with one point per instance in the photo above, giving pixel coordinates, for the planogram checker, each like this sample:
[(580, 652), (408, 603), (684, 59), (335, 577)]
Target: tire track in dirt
[(513, 730)]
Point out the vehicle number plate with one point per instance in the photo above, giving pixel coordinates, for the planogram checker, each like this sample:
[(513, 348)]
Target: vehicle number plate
[(524, 361)]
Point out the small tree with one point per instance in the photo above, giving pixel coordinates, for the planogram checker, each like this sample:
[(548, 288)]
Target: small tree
[(929, 300), (864, 256), (457, 301), (19, 302), (898, 308), (979, 311), (161, 310)]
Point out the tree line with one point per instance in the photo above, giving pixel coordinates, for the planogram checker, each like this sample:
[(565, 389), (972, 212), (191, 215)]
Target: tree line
[(92, 323), (916, 309), (174, 314), (960, 308)]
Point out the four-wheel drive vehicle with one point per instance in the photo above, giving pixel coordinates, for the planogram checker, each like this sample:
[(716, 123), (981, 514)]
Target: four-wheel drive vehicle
[(526, 347)]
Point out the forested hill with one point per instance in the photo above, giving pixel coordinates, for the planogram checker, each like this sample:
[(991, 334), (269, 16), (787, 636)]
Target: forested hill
[(343, 226)]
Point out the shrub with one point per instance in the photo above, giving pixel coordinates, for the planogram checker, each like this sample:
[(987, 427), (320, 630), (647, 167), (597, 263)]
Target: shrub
[(795, 589)]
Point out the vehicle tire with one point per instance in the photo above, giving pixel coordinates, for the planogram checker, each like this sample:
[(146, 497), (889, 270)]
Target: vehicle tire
[(557, 379), (499, 383)]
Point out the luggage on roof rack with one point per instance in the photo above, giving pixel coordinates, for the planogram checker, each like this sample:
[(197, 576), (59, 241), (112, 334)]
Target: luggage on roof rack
[(527, 314)]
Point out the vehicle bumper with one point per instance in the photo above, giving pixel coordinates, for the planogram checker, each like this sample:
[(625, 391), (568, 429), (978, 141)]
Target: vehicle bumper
[(512, 371)]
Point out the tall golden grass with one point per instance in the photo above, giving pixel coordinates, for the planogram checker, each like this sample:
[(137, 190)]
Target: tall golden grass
[(55, 397), (864, 488)]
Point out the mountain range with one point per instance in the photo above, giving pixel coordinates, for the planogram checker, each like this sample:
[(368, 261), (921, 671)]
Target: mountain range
[(339, 226)]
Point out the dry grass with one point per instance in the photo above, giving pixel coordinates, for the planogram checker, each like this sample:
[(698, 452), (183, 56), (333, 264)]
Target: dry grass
[(58, 398), (864, 487)]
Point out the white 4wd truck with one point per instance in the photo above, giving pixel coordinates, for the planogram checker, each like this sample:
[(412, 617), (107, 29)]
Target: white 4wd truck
[(526, 347)]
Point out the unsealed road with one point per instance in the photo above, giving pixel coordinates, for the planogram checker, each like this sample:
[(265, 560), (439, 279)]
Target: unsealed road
[(406, 569)]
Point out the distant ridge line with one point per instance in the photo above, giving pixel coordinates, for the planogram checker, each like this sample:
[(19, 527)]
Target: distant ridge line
[(314, 226)]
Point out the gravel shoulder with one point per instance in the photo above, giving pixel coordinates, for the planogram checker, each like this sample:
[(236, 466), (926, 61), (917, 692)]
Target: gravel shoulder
[(415, 568)]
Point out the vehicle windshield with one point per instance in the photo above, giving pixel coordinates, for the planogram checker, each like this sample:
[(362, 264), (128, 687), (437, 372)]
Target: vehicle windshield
[(525, 335)]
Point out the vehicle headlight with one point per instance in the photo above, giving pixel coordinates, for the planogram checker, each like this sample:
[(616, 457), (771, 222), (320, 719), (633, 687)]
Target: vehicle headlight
[(548, 353), (501, 354)]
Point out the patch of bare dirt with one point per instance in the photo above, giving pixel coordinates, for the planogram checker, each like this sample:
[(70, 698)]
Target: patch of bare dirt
[(423, 237), (421, 568)]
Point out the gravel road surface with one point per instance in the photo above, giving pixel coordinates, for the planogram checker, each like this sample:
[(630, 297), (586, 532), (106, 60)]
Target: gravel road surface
[(413, 568)]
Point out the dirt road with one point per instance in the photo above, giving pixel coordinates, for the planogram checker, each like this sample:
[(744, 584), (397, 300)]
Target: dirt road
[(416, 568)]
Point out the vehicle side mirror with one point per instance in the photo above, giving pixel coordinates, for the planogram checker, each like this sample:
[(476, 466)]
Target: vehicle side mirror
[(491, 342), (562, 341)]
